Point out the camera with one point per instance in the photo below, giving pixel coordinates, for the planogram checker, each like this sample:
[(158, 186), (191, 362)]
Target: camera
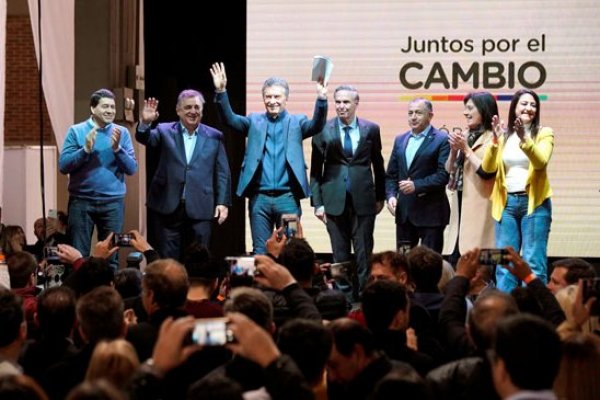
[(591, 288), (493, 256), (212, 332), (241, 266), (289, 222), (51, 254), (122, 239)]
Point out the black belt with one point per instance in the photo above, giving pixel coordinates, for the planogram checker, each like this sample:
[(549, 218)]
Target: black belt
[(518, 194), (273, 193)]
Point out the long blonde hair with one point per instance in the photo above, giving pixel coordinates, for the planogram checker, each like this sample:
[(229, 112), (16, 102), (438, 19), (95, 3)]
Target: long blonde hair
[(114, 360)]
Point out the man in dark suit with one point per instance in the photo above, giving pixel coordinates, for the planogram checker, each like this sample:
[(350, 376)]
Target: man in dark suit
[(346, 156), (192, 183), (416, 180), (273, 174)]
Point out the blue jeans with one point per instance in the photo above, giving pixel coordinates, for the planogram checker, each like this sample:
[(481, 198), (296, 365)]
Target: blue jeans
[(265, 214), (525, 233), (106, 215)]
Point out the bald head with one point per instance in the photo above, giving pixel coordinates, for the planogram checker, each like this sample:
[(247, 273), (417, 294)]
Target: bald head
[(167, 283), (487, 311)]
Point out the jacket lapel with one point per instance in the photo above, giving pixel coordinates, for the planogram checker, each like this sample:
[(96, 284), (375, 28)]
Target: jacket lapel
[(426, 142), (177, 133), (200, 139)]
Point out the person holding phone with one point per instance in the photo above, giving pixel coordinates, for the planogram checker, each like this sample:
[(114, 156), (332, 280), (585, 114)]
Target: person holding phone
[(468, 181), (521, 204), (97, 154)]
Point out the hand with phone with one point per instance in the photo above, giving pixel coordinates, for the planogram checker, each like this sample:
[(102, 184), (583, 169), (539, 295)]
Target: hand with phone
[(515, 264), (290, 224), (272, 274), (122, 239), (105, 248), (170, 349), (212, 332)]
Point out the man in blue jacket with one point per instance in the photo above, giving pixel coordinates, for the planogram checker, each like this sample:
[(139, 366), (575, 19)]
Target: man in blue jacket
[(192, 183), (273, 174), (97, 154)]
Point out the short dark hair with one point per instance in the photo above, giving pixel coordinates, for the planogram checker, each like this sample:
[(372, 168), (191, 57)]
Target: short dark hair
[(396, 261), (309, 344), (128, 282), (299, 258), (100, 94), (93, 273), (576, 269), (425, 268), (530, 349), (347, 333), (489, 308), (252, 303), (202, 268), (486, 106), (20, 267), (56, 312), (168, 281), (11, 316), (100, 314), (381, 301), (215, 386)]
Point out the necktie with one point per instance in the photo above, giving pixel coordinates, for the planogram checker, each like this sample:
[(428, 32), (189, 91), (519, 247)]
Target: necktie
[(347, 142)]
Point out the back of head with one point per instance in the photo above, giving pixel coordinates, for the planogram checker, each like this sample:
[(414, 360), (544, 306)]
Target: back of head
[(252, 303), (332, 304), (425, 269), (299, 258), (215, 386), (99, 389), (20, 387), (403, 380), (100, 314), (447, 274), (128, 282), (576, 269), (527, 301), (56, 312), (11, 316), (309, 344), (578, 377), (347, 333), (202, 269), (488, 310), (381, 301), (93, 273), (21, 267), (530, 349), (168, 281), (115, 361)]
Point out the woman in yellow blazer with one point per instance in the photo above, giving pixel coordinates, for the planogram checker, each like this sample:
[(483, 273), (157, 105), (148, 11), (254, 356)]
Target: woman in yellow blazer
[(521, 202), (471, 184)]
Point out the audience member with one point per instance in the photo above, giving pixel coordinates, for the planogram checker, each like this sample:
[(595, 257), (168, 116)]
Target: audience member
[(579, 375), (12, 240), (96, 390), (115, 360), (22, 269), (355, 366), (13, 332), (568, 271), (526, 358), (425, 272), (128, 282), (55, 319), (20, 387), (203, 272)]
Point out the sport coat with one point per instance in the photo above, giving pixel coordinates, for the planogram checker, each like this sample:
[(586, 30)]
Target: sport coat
[(428, 205), (330, 169), (207, 178), (254, 127)]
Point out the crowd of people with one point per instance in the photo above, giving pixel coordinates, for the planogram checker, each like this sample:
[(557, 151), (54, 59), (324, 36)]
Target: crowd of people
[(400, 323)]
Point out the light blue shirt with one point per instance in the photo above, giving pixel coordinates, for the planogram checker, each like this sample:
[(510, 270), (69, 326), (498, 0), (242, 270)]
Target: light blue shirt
[(189, 142), (414, 142), (354, 133)]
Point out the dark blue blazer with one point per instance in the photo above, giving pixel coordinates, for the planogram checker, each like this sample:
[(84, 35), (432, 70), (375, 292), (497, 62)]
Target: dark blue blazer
[(428, 206), (254, 127), (207, 177), (330, 168)]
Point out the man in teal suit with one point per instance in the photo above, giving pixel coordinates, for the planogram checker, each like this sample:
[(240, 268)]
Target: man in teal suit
[(273, 174)]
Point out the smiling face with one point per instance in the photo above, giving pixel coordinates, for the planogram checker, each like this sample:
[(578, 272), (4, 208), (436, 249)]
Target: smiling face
[(526, 108), (275, 100), (104, 112), (472, 115), (345, 105), (419, 116), (189, 110)]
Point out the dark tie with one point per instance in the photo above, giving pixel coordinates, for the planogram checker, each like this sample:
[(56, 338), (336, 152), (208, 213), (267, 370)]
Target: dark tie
[(347, 142)]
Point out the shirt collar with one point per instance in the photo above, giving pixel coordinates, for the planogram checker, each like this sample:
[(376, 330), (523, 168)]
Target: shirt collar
[(185, 132), (280, 116), (94, 124), (353, 125), (424, 133)]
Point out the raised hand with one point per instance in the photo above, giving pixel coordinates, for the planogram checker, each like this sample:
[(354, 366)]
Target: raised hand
[(519, 128), (115, 138), (150, 111), (90, 139), (219, 76), (497, 127), (322, 90)]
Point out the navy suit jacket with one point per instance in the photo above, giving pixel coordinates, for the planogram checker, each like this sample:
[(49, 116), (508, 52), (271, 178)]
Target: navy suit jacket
[(207, 177), (330, 169), (254, 127), (428, 206)]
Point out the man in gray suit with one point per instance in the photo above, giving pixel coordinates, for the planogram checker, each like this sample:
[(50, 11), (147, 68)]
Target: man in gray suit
[(348, 181)]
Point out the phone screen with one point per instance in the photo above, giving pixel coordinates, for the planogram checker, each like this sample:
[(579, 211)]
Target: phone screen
[(212, 332)]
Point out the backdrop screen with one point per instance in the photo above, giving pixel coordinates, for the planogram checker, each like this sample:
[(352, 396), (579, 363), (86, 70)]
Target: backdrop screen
[(393, 51)]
